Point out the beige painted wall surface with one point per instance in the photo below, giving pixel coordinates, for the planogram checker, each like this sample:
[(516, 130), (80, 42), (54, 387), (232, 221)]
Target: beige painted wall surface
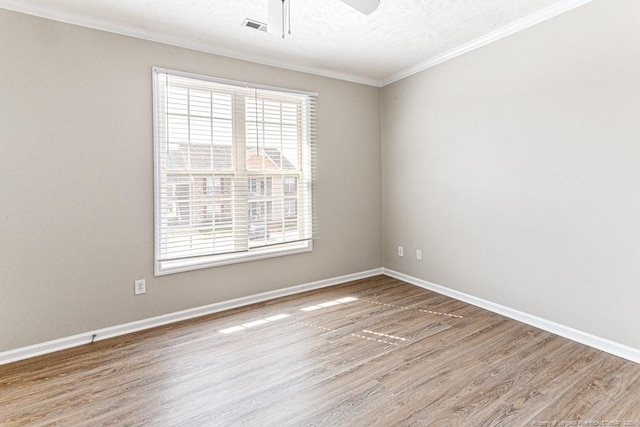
[(76, 182), (516, 170)]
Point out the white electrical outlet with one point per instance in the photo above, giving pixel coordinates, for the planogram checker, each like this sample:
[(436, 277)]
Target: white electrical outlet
[(419, 254), (140, 287), (400, 251)]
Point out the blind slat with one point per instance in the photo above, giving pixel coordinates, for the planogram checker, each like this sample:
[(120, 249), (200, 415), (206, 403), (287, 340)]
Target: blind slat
[(234, 169)]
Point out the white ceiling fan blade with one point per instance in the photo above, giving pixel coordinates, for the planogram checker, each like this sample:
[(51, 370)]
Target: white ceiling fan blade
[(364, 6), (275, 20)]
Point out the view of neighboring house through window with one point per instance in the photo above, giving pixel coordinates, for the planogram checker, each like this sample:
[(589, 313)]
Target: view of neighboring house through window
[(233, 171)]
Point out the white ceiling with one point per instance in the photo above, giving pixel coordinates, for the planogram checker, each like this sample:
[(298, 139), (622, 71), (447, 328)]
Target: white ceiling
[(328, 37)]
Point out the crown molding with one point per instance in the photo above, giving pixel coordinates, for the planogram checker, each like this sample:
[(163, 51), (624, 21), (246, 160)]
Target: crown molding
[(521, 24), (154, 36), (507, 30)]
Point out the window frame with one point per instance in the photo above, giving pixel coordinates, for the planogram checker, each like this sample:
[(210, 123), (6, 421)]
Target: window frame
[(239, 144)]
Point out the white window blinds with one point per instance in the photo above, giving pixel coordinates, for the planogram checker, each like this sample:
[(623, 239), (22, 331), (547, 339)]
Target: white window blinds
[(234, 171)]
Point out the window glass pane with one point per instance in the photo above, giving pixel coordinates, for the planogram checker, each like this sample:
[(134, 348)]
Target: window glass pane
[(199, 103), (200, 131), (178, 129), (177, 100)]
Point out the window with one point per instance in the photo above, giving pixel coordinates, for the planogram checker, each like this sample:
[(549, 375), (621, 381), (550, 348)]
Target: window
[(233, 171), (290, 208), (290, 185)]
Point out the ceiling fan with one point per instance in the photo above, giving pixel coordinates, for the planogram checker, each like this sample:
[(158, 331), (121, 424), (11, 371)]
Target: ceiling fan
[(278, 17)]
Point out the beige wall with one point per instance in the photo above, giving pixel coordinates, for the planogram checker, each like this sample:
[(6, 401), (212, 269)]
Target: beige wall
[(516, 169), (76, 182)]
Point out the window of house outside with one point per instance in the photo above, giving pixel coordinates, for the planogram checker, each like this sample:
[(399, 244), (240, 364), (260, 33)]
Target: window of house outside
[(233, 171)]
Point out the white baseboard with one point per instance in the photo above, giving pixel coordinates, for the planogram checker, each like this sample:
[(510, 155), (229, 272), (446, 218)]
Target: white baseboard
[(127, 328), (620, 350)]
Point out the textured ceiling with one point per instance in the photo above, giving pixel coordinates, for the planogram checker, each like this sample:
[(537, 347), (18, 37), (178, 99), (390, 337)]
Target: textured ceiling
[(328, 37)]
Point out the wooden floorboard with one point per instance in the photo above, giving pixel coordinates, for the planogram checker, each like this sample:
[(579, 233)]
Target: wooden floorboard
[(390, 354)]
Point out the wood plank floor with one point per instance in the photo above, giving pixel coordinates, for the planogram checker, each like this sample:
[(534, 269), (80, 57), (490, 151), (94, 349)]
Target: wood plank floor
[(371, 352)]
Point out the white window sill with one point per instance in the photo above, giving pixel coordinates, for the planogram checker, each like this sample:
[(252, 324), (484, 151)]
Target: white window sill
[(190, 264)]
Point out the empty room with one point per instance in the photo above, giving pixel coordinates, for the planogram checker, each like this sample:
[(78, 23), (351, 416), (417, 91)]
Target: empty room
[(304, 213)]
